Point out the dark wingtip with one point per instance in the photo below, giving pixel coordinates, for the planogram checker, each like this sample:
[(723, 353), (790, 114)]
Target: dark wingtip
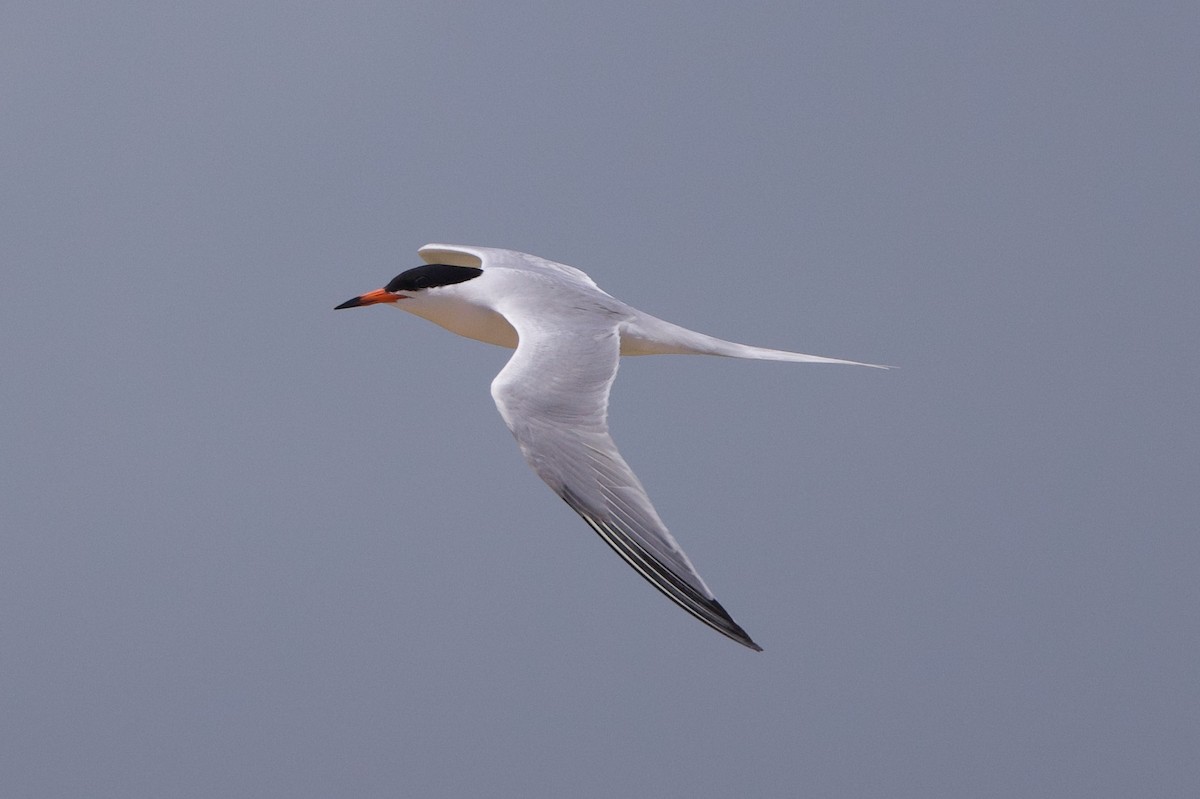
[(354, 303), (736, 632), (705, 608), (746, 641)]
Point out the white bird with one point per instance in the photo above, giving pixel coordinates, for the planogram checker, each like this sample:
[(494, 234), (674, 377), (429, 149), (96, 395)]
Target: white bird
[(553, 392)]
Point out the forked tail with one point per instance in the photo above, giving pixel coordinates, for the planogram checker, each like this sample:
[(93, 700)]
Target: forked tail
[(649, 335)]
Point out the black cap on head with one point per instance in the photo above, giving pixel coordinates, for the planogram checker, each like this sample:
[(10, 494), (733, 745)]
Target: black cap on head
[(431, 276)]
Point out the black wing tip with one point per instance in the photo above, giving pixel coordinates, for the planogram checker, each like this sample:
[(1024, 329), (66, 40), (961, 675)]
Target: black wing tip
[(739, 635), (734, 630), (704, 608)]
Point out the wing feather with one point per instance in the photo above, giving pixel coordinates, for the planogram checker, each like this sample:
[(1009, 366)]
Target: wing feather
[(553, 395)]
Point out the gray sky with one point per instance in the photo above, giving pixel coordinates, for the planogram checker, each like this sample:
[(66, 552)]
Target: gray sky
[(256, 548)]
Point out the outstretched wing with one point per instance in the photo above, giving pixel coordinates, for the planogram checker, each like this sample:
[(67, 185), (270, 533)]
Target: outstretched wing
[(553, 395)]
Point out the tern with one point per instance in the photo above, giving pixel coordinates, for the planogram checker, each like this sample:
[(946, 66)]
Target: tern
[(553, 393)]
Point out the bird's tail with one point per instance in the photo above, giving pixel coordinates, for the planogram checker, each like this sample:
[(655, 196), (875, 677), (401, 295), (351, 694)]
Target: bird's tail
[(649, 335)]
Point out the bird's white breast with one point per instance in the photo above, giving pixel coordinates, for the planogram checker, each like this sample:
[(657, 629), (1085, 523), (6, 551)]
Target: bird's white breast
[(460, 311)]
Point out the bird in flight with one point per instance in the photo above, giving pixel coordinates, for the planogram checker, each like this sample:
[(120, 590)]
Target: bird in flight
[(553, 393)]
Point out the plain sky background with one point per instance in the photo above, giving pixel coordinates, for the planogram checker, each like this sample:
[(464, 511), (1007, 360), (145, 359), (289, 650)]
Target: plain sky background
[(255, 548)]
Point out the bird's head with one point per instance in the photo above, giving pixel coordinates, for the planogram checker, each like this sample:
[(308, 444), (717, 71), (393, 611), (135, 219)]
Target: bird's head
[(413, 282)]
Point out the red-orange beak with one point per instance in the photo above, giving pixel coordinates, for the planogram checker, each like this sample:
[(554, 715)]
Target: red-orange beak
[(370, 298)]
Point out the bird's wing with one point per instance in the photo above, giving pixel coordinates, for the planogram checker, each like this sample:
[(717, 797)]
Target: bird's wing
[(553, 395), (493, 258)]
